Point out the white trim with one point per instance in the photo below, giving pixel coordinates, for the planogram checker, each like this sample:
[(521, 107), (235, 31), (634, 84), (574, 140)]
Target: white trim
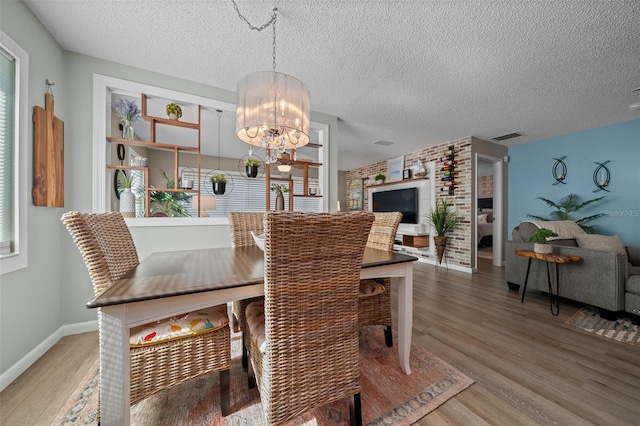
[(26, 361), (498, 203), (18, 259)]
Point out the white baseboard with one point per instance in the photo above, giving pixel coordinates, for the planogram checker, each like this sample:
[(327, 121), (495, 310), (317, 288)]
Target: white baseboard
[(445, 266), (25, 362)]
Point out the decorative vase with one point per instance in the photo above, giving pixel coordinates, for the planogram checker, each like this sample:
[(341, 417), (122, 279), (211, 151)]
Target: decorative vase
[(127, 203), (127, 130), (219, 187), (542, 248), (279, 202), (173, 116), (441, 244), (252, 171)]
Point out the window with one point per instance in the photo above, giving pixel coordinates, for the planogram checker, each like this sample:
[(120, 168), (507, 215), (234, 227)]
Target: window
[(13, 167), (247, 194)]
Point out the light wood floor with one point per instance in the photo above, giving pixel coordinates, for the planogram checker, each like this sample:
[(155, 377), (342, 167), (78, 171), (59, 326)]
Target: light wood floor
[(529, 367)]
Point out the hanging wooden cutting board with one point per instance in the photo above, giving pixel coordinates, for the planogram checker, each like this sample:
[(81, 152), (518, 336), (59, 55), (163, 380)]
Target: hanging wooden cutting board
[(48, 156)]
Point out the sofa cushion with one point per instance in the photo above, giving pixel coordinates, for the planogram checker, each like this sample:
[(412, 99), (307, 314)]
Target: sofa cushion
[(482, 218), (566, 242), (602, 242), (633, 284), (633, 270)]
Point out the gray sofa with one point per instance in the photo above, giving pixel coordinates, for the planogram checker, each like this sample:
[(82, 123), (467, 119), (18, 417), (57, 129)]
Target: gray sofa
[(607, 279)]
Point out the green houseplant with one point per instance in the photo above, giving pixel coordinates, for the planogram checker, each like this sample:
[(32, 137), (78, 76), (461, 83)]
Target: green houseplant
[(379, 178), (219, 183), (442, 219), (165, 203), (566, 209), (174, 111), (251, 167), (539, 240), (279, 189)]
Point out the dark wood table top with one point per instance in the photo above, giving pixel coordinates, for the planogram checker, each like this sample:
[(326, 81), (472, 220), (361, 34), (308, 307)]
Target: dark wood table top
[(174, 273)]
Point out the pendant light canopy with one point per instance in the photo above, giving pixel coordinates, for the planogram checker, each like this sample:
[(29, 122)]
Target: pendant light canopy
[(272, 108)]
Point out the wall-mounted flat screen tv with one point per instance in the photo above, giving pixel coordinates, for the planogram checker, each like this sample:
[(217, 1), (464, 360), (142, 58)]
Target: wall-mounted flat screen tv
[(398, 200)]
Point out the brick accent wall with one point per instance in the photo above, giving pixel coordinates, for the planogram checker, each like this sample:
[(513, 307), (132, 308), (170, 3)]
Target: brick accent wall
[(458, 250)]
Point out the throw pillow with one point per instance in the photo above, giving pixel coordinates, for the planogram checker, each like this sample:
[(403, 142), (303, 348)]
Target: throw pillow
[(602, 242), (482, 218)]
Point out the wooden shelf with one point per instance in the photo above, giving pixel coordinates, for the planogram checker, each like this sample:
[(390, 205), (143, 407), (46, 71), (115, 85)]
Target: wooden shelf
[(298, 162), (152, 145), (395, 182), (170, 122)]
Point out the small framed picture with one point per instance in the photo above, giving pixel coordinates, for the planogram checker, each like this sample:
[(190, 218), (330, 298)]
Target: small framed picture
[(394, 168), (406, 174)]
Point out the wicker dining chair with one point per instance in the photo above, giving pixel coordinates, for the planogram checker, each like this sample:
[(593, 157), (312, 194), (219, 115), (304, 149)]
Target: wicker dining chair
[(374, 303), (303, 339), (108, 251), (240, 225)]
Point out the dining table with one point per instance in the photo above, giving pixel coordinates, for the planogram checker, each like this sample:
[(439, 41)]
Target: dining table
[(170, 283)]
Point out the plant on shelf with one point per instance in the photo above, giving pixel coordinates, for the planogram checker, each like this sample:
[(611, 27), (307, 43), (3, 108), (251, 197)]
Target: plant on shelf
[(443, 219), (126, 181), (539, 240), (251, 167), (128, 112), (566, 208), (165, 203), (379, 178), (219, 183), (279, 189), (174, 111)]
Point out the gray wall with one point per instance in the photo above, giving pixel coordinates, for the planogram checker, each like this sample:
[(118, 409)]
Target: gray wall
[(47, 298), (30, 308)]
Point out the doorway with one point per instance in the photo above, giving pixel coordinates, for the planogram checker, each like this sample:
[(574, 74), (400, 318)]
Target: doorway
[(489, 206)]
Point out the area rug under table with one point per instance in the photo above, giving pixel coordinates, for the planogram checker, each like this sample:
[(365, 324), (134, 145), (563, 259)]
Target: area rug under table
[(621, 329), (389, 397)]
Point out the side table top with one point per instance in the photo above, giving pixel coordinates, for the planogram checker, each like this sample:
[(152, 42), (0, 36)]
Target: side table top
[(547, 257)]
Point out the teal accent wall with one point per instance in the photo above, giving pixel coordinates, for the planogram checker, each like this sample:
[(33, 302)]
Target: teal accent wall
[(530, 177)]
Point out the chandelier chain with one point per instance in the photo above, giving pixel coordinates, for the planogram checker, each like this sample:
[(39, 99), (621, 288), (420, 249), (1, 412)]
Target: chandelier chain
[(271, 22)]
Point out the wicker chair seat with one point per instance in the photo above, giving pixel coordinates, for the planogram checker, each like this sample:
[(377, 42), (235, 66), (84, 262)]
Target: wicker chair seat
[(109, 252)]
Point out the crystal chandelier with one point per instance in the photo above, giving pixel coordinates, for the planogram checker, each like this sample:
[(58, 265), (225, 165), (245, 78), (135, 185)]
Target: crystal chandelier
[(272, 108)]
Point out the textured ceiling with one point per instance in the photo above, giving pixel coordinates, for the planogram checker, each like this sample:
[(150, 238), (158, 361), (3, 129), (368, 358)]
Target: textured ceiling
[(417, 73)]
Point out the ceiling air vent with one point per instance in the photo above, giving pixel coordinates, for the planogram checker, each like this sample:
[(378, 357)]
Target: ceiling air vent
[(507, 136), (383, 143)]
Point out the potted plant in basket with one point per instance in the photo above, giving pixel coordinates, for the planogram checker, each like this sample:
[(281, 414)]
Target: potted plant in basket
[(279, 189), (379, 178), (251, 167), (443, 219), (219, 183), (174, 111), (539, 240)]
